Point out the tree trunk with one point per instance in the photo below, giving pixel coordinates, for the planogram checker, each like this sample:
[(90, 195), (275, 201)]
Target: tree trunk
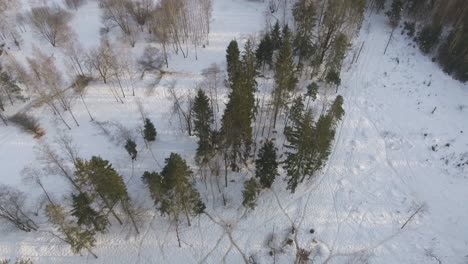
[(86, 106), (389, 39), (3, 119)]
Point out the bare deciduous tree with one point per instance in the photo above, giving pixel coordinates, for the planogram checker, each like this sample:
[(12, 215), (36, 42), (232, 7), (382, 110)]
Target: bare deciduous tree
[(182, 106), (74, 4), (50, 78), (51, 23), (152, 60), (12, 204), (116, 13), (214, 77)]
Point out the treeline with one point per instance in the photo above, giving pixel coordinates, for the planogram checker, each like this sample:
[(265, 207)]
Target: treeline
[(439, 27)]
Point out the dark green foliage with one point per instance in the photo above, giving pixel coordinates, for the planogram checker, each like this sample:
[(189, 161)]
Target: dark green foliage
[(394, 14), (276, 36), (105, 183), (428, 37), (309, 145), (250, 193), (285, 74), (300, 158), (233, 61), (264, 52), (304, 14), (172, 190), (237, 119), (333, 77), (266, 166), (86, 215), (296, 113), (336, 109), (312, 90), (130, 147), (99, 173), (149, 132), (337, 53), (453, 54), (203, 118)]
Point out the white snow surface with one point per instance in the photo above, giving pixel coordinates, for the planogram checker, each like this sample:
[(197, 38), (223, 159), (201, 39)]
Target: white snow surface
[(391, 156)]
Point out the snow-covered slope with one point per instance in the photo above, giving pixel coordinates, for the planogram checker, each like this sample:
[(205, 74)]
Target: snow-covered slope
[(392, 157)]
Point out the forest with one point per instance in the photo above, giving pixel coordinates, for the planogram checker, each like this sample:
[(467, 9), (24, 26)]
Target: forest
[(265, 118)]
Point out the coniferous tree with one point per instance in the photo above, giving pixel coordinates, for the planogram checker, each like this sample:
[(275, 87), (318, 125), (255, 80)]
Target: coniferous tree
[(285, 75), (106, 183), (276, 36), (237, 119), (336, 109), (299, 161), (394, 16), (428, 37), (130, 147), (149, 132), (312, 91), (86, 215), (77, 238), (337, 53), (264, 52), (304, 14), (250, 193), (203, 118), (266, 166), (333, 77), (233, 61), (173, 192)]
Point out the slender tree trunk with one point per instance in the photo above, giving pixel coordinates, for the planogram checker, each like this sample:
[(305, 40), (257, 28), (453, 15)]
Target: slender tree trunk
[(3, 119), (73, 116), (127, 210), (54, 108), (86, 106), (389, 39), (177, 231)]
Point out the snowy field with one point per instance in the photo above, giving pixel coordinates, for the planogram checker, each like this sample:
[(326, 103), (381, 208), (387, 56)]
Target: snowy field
[(394, 155)]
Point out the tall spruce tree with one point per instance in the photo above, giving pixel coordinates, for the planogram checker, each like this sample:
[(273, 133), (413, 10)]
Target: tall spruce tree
[(276, 36), (285, 75), (86, 215), (266, 166), (264, 52), (173, 191), (203, 118), (299, 161), (149, 132), (250, 193), (304, 14), (106, 183), (237, 119), (232, 61)]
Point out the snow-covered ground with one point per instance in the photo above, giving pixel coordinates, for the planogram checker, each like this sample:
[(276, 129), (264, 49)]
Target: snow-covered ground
[(392, 156)]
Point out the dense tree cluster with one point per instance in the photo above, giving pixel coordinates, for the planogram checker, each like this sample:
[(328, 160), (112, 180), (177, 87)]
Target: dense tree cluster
[(432, 19)]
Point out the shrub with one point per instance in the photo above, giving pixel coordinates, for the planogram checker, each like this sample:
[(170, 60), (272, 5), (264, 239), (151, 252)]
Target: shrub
[(28, 124)]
